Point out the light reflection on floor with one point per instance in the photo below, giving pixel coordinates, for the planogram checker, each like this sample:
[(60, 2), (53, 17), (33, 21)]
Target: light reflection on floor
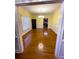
[(45, 33), (27, 40), (40, 46)]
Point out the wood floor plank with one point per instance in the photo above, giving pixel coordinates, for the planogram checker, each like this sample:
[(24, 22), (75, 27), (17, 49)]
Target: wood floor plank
[(38, 46)]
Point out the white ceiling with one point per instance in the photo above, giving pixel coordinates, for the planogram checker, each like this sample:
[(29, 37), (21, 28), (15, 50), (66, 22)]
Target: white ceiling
[(42, 9)]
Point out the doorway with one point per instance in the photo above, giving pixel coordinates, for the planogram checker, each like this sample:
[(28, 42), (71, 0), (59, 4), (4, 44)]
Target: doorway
[(45, 23), (33, 23)]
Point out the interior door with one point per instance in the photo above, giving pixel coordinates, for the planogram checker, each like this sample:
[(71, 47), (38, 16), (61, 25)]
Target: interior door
[(33, 23), (45, 23)]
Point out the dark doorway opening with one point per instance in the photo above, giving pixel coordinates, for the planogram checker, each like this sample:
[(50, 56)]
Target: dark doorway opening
[(33, 23), (45, 23)]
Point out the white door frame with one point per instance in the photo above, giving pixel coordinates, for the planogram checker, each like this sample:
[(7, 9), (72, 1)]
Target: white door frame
[(60, 33), (20, 41)]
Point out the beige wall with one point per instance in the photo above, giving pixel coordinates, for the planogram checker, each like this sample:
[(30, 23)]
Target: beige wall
[(22, 12), (55, 23), (53, 19), (40, 20)]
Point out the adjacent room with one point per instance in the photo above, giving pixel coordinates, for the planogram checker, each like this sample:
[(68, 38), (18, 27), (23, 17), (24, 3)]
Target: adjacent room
[(36, 29)]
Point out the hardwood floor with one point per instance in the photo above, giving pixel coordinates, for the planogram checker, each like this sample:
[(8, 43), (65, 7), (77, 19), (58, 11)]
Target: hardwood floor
[(38, 46)]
